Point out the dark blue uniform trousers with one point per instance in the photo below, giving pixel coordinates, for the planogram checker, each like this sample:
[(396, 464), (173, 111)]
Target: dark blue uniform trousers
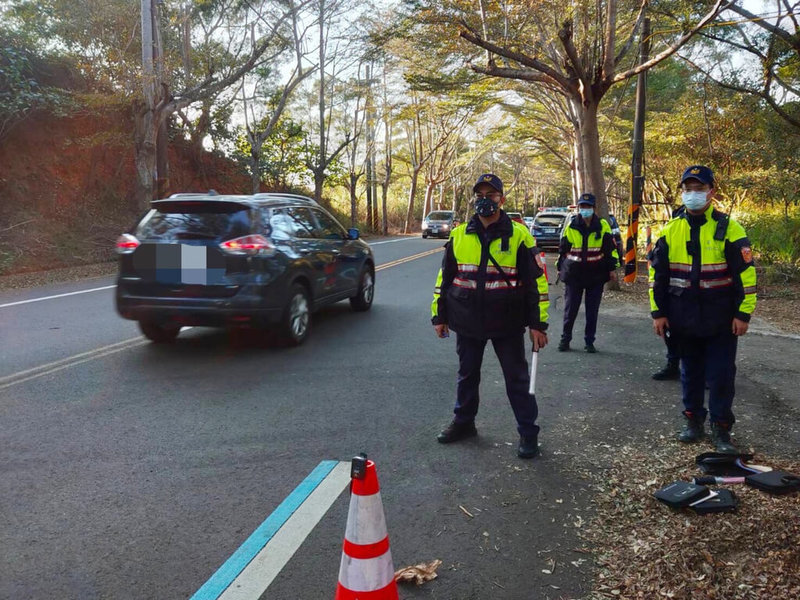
[(510, 352), (709, 360), (572, 302)]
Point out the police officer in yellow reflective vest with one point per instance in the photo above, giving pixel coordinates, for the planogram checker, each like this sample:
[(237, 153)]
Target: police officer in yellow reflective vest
[(490, 287), (587, 258), (703, 290)]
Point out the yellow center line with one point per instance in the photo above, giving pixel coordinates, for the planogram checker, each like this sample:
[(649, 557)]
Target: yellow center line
[(77, 359), (400, 261)]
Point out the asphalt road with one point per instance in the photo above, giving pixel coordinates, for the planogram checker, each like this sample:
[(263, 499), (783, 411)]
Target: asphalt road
[(131, 470)]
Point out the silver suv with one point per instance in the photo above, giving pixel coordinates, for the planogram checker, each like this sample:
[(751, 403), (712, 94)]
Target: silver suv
[(439, 223)]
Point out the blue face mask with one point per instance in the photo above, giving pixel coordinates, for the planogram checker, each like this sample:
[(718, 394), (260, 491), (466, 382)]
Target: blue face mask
[(485, 207), (586, 213), (694, 200)]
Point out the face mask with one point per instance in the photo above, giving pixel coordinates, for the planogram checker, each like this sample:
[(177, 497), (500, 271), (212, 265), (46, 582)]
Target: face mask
[(695, 200), (485, 207), (586, 212)]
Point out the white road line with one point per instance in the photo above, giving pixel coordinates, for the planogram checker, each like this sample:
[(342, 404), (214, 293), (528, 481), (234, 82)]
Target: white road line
[(106, 287), (262, 570), (405, 239)]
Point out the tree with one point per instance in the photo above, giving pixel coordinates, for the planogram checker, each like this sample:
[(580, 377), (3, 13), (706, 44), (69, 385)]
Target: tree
[(271, 99), (261, 27), (580, 58), (770, 45)]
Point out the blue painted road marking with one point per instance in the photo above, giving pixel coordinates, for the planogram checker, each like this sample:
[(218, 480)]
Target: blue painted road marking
[(224, 576)]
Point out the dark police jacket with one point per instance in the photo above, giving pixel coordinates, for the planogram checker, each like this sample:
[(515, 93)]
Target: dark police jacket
[(478, 298), (587, 254)]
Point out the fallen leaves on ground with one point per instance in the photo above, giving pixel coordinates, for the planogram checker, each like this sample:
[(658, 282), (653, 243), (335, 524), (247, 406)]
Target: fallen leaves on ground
[(647, 550), (420, 573)]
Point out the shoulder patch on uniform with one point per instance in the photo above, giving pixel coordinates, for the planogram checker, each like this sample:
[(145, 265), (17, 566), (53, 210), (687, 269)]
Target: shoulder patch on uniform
[(747, 254)]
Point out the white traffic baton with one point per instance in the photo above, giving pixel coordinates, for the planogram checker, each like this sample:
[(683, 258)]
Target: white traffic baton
[(534, 364)]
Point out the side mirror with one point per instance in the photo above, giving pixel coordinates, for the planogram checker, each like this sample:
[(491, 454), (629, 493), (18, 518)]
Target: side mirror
[(352, 234)]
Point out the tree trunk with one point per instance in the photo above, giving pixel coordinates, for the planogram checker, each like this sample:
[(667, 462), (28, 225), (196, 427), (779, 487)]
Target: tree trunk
[(429, 191), (590, 147), (411, 194), (255, 177), (145, 157), (353, 200)]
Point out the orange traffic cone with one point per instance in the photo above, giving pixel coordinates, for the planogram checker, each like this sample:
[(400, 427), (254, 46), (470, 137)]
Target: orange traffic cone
[(366, 571), (543, 265)]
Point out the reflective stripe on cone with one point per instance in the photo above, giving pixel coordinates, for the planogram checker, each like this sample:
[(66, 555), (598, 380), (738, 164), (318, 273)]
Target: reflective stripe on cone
[(366, 571)]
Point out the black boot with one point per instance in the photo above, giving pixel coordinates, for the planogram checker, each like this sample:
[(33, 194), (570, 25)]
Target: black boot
[(456, 432), (692, 432), (670, 371), (563, 345), (721, 438), (528, 446)]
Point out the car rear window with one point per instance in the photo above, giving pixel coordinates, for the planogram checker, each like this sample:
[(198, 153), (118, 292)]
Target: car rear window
[(549, 220), (195, 221), (440, 216)]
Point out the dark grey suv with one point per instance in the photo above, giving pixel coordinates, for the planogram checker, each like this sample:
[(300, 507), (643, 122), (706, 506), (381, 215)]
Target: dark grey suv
[(265, 260)]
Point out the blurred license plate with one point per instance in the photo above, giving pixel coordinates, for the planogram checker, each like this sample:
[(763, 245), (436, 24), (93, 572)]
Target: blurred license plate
[(180, 263), (549, 229), (434, 230)]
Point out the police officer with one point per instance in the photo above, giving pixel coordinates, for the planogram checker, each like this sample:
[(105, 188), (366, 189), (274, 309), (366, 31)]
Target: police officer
[(491, 287), (672, 369), (587, 258), (703, 287)]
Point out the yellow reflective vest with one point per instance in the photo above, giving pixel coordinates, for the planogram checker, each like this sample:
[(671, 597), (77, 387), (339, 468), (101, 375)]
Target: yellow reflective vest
[(702, 274), (491, 283), (587, 254)]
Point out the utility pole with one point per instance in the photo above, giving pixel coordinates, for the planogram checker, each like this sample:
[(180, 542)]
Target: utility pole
[(637, 160), (370, 149), (162, 137)]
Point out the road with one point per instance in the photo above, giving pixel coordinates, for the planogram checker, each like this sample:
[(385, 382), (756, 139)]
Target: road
[(131, 470)]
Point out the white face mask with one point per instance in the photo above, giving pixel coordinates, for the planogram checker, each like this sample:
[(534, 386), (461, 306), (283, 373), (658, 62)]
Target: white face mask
[(695, 200), (586, 212)]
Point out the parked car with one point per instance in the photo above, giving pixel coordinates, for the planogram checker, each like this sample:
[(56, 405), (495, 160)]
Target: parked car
[(515, 216), (547, 227), (439, 223), (259, 261)]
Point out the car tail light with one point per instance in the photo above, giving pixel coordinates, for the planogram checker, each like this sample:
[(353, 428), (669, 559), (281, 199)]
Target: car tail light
[(126, 244), (249, 245)]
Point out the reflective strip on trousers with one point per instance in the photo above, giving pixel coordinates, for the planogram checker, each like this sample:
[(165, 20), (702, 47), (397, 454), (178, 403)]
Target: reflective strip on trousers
[(366, 575)]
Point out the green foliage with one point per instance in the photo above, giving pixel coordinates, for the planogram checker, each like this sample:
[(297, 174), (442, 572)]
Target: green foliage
[(776, 242), (21, 88)]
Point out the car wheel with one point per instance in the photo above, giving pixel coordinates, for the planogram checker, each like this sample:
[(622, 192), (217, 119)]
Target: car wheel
[(424, 236), (159, 334), (296, 316), (362, 301)]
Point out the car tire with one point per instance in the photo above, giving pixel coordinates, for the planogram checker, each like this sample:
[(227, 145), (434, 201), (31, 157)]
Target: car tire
[(424, 236), (159, 334), (296, 320), (362, 301)]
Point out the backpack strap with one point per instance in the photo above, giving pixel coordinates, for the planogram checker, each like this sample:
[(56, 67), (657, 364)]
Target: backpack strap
[(500, 269), (722, 225)]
